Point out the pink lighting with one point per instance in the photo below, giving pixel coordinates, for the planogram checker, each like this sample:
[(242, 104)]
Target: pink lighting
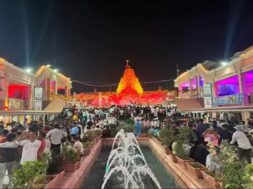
[(194, 83), (227, 86), (183, 86), (248, 82)]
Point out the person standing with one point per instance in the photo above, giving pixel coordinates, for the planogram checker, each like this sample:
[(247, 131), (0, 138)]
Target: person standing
[(44, 147), (8, 157), (137, 126), (201, 127), (146, 125), (55, 136), (244, 146), (213, 161), (30, 145), (211, 136), (3, 135)]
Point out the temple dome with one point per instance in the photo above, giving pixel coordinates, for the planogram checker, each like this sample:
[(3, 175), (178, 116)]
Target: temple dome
[(129, 83)]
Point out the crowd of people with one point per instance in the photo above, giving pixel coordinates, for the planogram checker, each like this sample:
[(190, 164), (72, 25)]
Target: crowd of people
[(20, 143)]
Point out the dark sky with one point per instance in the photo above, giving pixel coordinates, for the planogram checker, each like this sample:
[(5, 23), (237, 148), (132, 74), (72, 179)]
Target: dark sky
[(89, 40)]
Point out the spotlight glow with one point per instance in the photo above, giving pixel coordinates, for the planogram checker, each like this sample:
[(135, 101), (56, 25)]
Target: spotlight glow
[(56, 70), (28, 70), (223, 63)]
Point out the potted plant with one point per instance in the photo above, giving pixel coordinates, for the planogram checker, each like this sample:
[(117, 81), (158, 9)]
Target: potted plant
[(98, 133), (128, 128), (71, 160), (211, 178), (181, 154), (32, 174), (248, 178), (90, 135), (194, 168), (233, 169), (167, 136), (55, 165), (186, 134), (87, 147)]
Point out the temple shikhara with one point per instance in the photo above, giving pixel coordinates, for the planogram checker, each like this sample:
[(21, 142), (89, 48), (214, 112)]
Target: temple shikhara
[(129, 90), (129, 83)]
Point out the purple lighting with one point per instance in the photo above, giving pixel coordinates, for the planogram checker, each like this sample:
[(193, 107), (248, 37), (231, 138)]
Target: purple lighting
[(201, 81), (184, 86), (227, 86), (248, 82), (193, 83)]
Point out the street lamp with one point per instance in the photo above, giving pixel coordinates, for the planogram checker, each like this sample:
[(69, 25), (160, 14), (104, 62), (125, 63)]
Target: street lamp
[(56, 70), (28, 70), (224, 63)]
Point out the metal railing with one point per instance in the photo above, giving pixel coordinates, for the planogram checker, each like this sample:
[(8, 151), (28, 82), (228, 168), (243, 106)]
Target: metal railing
[(235, 99)]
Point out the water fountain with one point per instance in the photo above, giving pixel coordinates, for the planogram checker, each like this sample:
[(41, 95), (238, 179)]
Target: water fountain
[(127, 160)]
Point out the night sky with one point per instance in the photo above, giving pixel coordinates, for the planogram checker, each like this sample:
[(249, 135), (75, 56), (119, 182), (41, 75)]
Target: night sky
[(89, 40)]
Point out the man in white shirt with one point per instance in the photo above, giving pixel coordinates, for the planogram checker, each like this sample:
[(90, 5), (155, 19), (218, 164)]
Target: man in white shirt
[(30, 145), (244, 146), (55, 136)]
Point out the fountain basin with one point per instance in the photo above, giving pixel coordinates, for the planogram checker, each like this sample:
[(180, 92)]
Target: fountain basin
[(77, 179)]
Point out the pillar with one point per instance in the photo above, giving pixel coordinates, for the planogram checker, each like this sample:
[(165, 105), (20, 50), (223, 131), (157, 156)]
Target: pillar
[(69, 91), (214, 115), (45, 89), (5, 88), (66, 91), (31, 96), (56, 87), (48, 92), (197, 86), (245, 116), (245, 100), (190, 89)]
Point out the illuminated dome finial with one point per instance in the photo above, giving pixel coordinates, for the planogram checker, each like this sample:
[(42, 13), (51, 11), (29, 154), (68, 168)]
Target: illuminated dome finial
[(127, 64)]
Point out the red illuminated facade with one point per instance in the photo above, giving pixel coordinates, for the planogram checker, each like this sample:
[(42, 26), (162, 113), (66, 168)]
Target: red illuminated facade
[(15, 87), (129, 90)]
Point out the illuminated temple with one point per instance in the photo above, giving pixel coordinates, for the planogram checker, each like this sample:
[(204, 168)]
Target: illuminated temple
[(129, 84), (129, 90)]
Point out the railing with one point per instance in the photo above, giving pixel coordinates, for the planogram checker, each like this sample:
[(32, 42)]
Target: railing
[(57, 96), (236, 99)]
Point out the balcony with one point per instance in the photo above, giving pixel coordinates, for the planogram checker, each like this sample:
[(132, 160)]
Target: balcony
[(236, 99)]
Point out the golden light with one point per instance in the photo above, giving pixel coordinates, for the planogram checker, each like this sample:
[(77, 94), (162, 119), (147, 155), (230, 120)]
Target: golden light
[(129, 82)]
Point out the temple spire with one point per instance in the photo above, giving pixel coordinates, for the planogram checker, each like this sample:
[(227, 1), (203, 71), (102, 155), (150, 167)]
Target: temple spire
[(129, 83), (127, 64)]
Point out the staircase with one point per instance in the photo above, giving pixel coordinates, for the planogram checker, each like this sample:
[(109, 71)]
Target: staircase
[(56, 105), (192, 104)]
